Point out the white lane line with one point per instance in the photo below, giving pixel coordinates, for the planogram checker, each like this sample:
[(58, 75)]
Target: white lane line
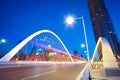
[(38, 75)]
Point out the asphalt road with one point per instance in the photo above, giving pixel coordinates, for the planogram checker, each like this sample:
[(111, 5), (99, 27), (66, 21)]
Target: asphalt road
[(42, 72)]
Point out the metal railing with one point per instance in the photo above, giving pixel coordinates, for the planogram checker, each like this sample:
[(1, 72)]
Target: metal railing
[(85, 73)]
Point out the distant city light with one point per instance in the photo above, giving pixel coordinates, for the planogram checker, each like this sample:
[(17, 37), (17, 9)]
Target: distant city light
[(55, 53), (85, 51), (3, 41), (49, 45), (52, 53), (40, 49), (110, 32), (82, 45), (37, 53)]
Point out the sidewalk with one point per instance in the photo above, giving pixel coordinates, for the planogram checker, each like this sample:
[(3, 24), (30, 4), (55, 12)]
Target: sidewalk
[(105, 74)]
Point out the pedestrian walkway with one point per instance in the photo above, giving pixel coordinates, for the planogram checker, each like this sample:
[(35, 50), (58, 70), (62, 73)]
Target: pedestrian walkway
[(105, 74)]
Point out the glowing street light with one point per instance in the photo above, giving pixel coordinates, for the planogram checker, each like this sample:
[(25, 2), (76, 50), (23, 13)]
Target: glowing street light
[(82, 45), (2, 41), (70, 20), (49, 45), (85, 51), (37, 53), (40, 49)]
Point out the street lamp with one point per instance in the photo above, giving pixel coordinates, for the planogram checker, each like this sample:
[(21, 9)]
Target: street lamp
[(70, 20), (2, 41), (82, 45)]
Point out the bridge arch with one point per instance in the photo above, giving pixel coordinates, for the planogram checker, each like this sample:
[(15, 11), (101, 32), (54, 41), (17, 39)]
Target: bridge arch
[(105, 54), (11, 53)]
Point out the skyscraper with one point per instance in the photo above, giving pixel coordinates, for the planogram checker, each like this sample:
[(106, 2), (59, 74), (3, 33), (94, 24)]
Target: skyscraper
[(102, 24)]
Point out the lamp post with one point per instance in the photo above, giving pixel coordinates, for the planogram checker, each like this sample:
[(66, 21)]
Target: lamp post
[(70, 21)]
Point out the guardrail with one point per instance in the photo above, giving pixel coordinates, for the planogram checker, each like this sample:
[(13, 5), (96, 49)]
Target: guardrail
[(10, 64), (28, 63), (17, 64)]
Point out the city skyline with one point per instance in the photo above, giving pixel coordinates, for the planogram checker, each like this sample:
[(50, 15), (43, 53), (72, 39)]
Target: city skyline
[(19, 19)]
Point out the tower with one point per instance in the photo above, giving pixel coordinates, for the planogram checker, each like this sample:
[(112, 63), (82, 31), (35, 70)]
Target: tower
[(102, 24)]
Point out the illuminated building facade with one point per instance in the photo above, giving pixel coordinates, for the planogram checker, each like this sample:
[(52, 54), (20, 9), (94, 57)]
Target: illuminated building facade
[(102, 24), (48, 55)]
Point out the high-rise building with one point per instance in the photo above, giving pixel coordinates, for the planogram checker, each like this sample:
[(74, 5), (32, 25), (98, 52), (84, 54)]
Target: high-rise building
[(102, 24)]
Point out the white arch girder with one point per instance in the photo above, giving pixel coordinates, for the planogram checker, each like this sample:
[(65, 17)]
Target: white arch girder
[(107, 53), (10, 54)]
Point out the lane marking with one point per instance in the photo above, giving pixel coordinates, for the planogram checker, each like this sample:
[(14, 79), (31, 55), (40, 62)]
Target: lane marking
[(38, 75)]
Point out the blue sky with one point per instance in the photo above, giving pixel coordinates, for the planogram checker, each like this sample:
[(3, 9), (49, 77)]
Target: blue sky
[(21, 18)]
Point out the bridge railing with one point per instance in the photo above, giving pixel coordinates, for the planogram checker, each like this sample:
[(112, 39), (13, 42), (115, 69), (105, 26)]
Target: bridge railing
[(8, 64), (17, 64), (85, 73)]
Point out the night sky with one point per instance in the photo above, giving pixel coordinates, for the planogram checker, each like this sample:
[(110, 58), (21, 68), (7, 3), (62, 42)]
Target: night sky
[(21, 18)]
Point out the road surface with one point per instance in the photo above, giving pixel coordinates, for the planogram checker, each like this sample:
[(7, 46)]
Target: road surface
[(42, 72)]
